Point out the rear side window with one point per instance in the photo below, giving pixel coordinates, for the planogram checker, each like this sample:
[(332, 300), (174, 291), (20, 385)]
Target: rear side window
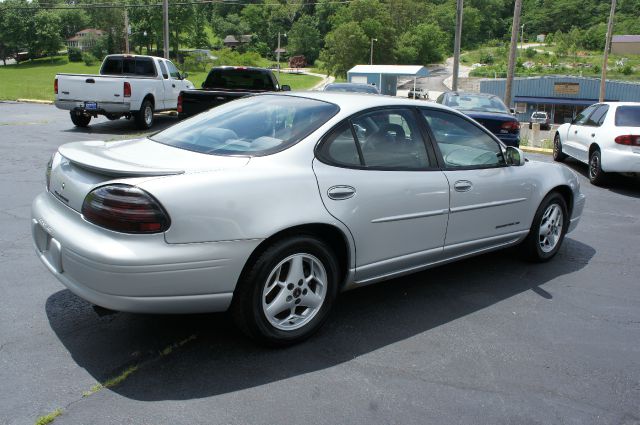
[(597, 118), (628, 116), (341, 147)]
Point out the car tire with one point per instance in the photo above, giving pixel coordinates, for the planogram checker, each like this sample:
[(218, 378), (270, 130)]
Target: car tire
[(558, 155), (80, 120), (144, 117), (285, 295), (596, 175), (548, 229)]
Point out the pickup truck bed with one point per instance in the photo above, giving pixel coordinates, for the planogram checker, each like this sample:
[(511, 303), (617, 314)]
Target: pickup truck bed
[(224, 84)]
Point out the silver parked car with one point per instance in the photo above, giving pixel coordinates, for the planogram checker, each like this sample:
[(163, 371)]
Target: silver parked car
[(272, 204)]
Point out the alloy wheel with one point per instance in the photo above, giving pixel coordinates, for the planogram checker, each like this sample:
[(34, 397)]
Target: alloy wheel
[(550, 229)]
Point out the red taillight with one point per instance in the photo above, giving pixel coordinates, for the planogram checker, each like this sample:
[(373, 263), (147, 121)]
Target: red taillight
[(179, 108), (628, 139), (127, 89), (55, 86), (126, 209), (510, 125)]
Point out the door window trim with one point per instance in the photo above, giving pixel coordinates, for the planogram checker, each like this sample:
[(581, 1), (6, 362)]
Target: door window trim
[(439, 156), (325, 159)]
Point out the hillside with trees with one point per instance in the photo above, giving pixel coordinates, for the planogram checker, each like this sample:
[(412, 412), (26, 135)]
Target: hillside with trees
[(334, 35)]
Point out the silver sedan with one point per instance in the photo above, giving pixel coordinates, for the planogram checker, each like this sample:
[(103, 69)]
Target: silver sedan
[(272, 204)]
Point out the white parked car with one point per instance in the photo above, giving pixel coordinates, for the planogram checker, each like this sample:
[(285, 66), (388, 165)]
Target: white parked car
[(606, 136), (132, 86), (272, 204)]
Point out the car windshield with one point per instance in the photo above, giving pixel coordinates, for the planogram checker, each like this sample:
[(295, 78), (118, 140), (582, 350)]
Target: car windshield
[(628, 116), (470, 102), (352, 88), (254, 125)]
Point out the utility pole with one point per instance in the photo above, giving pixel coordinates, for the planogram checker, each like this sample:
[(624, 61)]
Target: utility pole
[(512, 53), (278, 54), (456, 45), (607, 47), (126, 31), (522, 38), (371, 51), (165, 18)]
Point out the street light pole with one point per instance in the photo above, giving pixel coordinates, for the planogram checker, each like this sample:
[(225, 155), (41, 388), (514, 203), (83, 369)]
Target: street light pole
[(165, 18), (371, 51), (456, 45), (512, 52), (126, 31), (607, 47), (522, 37)]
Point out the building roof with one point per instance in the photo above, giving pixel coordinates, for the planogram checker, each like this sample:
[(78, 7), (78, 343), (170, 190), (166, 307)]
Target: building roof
[(626, 39), (413, 70), (243, 39), (94, 31)]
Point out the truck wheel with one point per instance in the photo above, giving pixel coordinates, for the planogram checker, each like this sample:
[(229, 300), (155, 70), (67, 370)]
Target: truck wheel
[(80, 120), (144, 117)]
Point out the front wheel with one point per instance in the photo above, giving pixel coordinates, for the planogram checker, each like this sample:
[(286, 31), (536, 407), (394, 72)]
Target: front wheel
[(80, 120), (558, 155), (596, 175), (144, 117), (547, 232), (288, 291)]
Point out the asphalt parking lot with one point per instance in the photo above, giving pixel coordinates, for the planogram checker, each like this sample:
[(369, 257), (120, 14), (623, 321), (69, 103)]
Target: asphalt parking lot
[(490, 340)]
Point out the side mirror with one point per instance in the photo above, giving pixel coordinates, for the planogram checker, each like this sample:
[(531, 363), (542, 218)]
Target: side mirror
[(514, 156), (185, 75), (513, 111), (285, 87)]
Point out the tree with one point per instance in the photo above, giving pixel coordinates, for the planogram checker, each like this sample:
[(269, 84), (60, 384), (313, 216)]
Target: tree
[(345, 47), (304, 39), (422, 44), (72, 21), (16, 22), (47, 32)]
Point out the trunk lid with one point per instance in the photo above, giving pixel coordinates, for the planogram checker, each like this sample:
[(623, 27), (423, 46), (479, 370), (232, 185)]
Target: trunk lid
[(491, 121), (91, 88), (81, 166)]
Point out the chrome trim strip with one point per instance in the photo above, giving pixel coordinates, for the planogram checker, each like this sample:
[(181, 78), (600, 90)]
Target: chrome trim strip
[(410, 216), (487, 205)]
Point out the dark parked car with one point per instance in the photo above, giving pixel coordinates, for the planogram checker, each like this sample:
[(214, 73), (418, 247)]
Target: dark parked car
[(224, 84), (488, 110), (352, 88)]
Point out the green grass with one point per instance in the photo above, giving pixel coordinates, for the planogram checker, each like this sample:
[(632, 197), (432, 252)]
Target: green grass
[(47, 419), (34, 79)]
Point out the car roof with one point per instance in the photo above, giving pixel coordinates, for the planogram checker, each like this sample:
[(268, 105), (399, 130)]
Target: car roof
[(353, 102), (467, 93)]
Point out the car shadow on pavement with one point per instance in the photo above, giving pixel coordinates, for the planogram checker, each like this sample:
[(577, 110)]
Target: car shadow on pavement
[(617, 183), (194, 356), (124, 126)]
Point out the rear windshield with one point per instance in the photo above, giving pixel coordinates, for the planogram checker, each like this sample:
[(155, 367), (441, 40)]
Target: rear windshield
[(470, 102), (254, 125), (119, 65), (628, 116), (539, 115), (238, 79)]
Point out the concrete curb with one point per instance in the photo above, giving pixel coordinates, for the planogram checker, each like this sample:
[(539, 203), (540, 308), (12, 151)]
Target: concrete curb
[(38, 101), (531, 149)]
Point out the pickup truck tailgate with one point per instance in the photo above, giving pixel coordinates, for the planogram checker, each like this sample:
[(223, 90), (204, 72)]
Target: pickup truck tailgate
[(94, 88)]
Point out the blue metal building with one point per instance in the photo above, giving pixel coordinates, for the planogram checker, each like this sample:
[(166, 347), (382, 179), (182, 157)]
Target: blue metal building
[(385, 77), (561, 96)]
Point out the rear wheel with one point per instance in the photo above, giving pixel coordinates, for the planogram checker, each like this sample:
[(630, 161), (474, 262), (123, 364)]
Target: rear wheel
[(596, 175), (287, 293), (550, 224), (79, 119), (557, 149), (144, 117)]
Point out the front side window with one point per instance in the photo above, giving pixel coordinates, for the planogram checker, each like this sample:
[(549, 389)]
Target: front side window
[(254, 125), (173, 71), (462, 143), (163, 69)]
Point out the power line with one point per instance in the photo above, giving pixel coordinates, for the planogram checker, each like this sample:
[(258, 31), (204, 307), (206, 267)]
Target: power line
[(45, 6)]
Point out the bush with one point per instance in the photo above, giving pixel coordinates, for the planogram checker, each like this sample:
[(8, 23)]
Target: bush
[(487, 58), (530, 53), (75, 54), (626, 70), (89, 59)]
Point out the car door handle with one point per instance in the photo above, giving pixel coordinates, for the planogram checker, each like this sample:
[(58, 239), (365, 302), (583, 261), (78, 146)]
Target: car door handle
[(593, 134), (575, 132), (462, 186), (339, 193), (173, 85)]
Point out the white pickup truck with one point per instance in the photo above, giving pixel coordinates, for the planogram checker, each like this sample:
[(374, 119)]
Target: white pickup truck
[(130, 86)]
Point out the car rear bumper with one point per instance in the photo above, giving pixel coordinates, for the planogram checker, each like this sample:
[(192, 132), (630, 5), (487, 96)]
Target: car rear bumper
[(135, 273), (509, 139), (625, 159), (102, 107)]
